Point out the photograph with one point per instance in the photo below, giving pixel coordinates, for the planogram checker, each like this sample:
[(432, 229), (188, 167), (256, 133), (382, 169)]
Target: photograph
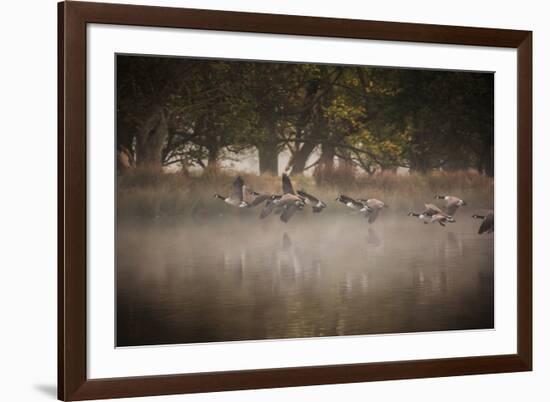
[(243, 201), (260, 200)]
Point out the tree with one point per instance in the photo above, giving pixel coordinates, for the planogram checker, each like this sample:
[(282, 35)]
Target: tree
[(197, 112), (145, 88)]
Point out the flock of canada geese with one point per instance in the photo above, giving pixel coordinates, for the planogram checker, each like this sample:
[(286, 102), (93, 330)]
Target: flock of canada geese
[(290, 201)]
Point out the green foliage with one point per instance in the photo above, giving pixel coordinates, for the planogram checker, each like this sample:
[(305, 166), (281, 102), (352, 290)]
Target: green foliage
[(375, 119)]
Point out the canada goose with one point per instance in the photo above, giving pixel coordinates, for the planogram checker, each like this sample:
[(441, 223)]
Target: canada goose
[(286, 204), (287, 185), (316, 204), (488, 224), (350, 202), (452, 203), (442, 219), (269, 206), (371, 208), (289, 202), (290, 209), (253, 198), (429, 211), (236, 197), (279, 204)]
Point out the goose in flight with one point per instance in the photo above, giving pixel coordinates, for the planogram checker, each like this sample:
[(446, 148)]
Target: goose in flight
[(433, 214), (253, 198), (371, 208), (286, 204), (429, 211), (350, 202), (452, 203), (270, 205), (442, 219), (236, 197), (488, 224), (316, 204)]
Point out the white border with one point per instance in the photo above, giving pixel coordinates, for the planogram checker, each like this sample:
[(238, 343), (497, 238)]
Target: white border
[(104, 360)]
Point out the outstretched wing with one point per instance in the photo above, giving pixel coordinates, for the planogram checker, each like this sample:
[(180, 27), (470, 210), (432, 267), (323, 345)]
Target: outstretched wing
[(237, 193), (268, 208), (287, 185), (259, 199), (488, 224), (309, 197), (346, 200), (316, 204), (288, 212)]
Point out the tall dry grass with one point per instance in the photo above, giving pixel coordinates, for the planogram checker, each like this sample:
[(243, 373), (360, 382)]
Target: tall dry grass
[(142, 193)]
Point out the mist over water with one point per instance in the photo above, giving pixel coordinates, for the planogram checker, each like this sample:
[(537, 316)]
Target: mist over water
[(234, 277)]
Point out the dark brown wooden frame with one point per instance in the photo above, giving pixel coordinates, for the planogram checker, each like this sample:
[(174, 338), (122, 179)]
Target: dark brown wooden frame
[(73, 383)]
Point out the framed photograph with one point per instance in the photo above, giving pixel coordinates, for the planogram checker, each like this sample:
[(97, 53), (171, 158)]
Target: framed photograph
[(253, 201)]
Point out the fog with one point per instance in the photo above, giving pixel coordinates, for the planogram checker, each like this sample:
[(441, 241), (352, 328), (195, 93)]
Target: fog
[(234, 277), (248, 161)]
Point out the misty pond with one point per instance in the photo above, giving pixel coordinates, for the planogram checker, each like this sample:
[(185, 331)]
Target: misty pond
[(229, 278)]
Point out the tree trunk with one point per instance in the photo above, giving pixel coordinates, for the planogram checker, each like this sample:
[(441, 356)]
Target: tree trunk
[(299, 159), (345, 163), (419, 166), (268, 154), (327, 157), (125, 132), (269, 158), (151, 137), (325, 169), (213, 154), (419, 161), (486, 160)]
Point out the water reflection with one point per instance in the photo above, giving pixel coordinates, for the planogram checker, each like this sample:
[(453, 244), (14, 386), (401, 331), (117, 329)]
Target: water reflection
[(373, 238), (235, 280)]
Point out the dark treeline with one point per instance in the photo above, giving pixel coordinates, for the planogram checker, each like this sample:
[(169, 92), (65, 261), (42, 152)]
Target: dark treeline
[(187, 112)]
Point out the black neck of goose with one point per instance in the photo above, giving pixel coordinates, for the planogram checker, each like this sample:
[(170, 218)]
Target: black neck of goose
[(221, 197)]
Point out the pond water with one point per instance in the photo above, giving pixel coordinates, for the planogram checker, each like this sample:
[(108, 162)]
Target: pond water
[(233, 278)]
